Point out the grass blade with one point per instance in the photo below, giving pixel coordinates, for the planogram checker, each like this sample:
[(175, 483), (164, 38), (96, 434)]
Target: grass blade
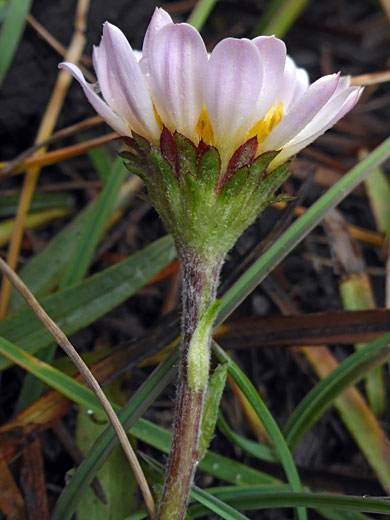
[(254, 497), (78, 306), (11, 32), (299, 229), (86, 472), (279, 16), (200, 13), (323, 394), (93, 230), (44, 272), (268, 421)]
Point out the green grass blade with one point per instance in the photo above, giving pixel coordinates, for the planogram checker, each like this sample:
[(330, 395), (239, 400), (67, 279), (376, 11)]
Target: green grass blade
[(213, 463), (94, 228), (215, 505), (78, 266), (279, 17), (253, 448), (78, 306), (217, 465), (200, 13), (266, 418), (11, 33), (255, 498), (299, 229), (43, 273), (101, 161), (40, 202), (323, 394), (86, 472), (51, 376)]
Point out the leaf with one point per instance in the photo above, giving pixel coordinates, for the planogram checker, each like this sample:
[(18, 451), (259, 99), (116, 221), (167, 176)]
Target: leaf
[(43, 272), (115, 476), (93, 230), (11, 33), (253, 497), (260, 451), (39, 202), (76, 307), (378, 191), (210, 411), (356, 415), (323, 394), (101, 161), (268, 421)]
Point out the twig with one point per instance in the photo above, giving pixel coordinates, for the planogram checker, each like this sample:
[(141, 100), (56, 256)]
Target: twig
[(371, 79), (60, 338), (45, 159), (58, 47), (64, 132), (45, 130)]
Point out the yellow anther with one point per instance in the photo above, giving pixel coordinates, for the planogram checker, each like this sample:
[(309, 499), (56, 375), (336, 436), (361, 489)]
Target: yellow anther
[(204, 128), (264, 127)]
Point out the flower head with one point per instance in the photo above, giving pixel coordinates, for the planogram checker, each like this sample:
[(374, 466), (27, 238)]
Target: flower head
[(209, 134), (245, 88)]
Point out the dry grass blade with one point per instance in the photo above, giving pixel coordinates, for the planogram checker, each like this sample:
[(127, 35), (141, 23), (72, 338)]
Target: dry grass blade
[(71, 352), (33, 481), (9, 168), (45, 159), (335, 327), (371, 79), (57, 46), (11, 500), (45, 130)]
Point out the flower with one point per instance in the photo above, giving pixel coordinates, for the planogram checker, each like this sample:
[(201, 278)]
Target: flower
[(243, 89)]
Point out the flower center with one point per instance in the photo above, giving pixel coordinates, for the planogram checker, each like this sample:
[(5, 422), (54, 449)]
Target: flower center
[(265, 126), (204, 128)]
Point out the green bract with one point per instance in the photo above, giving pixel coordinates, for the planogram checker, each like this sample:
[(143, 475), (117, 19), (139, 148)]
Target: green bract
[(204, 208)]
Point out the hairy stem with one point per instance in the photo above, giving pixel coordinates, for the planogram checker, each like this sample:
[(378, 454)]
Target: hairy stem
[(199, 284)]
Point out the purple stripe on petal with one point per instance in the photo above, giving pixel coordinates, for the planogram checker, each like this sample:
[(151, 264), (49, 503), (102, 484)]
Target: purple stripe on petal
[(98, 104), (273, 59), (234, 78), (126, 73), (178, 63), (302, 113)]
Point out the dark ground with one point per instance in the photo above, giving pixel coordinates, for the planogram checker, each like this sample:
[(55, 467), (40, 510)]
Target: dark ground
[(335, 35)]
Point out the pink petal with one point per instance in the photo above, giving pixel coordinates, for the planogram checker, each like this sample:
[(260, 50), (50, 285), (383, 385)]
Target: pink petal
[(159, 19), (178, 63), (110, 88), (328, 116), (289, 80), (301, 85), (234, 78), (302, 113), (128, 77), (116, 122), (273, 58)]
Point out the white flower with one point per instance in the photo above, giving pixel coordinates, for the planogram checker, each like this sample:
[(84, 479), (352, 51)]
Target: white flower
[(245, 88)]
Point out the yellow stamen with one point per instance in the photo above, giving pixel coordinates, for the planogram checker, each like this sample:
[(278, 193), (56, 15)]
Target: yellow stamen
[(263, 127), (204, 128)]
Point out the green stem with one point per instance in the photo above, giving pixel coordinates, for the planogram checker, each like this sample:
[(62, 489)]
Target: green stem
[(199, 284)]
